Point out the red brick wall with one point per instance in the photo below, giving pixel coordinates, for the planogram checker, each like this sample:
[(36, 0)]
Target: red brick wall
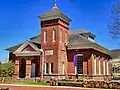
[(101, 64), (85, 67), (28, 65), (70, 56), (71, 68), (91, 65), (97, 66), (56, 46), (110, 68)]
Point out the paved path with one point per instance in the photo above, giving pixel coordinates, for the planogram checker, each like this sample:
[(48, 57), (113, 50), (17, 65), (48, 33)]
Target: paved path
[(36, 87)]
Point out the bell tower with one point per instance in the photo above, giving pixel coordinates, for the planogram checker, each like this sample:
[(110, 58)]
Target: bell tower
[(54, 37)]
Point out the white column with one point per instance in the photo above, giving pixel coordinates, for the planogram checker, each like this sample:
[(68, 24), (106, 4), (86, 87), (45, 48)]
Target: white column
[(75, 70), (104, 65), (95, 66), (50, 68), (107, 68), (99, 67)]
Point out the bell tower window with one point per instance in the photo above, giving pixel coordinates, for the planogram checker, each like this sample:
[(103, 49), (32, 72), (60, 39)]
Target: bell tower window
[(61, 35), (54, 34), (45, 36)]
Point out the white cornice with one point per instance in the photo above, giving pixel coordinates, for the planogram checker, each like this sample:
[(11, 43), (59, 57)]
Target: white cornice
[(28, 54)]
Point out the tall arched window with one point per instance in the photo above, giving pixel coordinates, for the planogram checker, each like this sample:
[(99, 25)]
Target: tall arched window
[(66, 36), (54, 34), (61, 35), (45, 36)]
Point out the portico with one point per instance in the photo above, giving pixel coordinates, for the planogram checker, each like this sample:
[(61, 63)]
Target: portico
[(27, 61)]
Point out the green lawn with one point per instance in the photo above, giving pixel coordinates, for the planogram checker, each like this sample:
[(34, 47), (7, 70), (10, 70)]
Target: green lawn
[(30, 83)]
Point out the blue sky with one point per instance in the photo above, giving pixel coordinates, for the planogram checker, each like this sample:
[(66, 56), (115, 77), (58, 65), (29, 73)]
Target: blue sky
[(18, 20)]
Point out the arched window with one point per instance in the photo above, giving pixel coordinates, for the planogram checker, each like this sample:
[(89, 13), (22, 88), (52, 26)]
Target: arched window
[(66, 36), (45, 36), (61, 35), (46, 68), (54, 34)]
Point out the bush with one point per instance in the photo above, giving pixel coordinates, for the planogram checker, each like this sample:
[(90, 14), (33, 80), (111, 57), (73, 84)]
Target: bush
[(6, 69), (59, 84)]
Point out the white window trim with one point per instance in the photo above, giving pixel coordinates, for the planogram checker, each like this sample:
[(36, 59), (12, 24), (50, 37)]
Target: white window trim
[(54, 34), (66, 38), (61, 35), (45, 36), (50, 68), (46, 67)]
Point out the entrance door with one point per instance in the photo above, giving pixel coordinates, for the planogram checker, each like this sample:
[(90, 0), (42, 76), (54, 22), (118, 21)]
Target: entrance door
[(79, 64)]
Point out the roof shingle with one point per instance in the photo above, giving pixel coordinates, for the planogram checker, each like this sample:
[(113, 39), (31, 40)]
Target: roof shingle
[(115, 53)]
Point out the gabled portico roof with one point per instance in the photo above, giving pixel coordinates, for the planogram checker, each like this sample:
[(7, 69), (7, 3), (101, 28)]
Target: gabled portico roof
[(20, 52)]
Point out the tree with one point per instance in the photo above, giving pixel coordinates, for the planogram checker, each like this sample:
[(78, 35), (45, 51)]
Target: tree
[(6, 69), (114, 24)]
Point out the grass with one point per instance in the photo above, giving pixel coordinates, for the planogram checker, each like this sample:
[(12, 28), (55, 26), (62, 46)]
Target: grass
[(29, 83)]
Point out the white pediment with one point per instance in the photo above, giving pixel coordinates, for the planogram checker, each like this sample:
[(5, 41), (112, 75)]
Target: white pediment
[(20, 51)]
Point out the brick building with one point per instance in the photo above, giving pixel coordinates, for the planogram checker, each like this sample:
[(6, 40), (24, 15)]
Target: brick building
[(65, 52)]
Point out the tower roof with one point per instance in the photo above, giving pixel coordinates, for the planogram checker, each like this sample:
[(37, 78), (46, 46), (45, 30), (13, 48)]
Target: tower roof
[(55, 13)]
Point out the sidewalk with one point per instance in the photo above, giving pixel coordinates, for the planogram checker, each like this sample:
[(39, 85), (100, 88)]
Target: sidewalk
[(52, 87)]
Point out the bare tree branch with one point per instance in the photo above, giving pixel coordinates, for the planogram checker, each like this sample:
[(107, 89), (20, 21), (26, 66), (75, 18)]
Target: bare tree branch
[(114, 24)]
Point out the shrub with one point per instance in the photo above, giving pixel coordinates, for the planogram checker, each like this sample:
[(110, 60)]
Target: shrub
[(6, 69)]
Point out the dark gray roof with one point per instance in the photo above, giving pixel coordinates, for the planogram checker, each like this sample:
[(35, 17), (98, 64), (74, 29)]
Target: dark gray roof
[(52, 14), (78, 31), (36, 39), (115, 53), (75, 37), (83, 32), (14, 48)]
